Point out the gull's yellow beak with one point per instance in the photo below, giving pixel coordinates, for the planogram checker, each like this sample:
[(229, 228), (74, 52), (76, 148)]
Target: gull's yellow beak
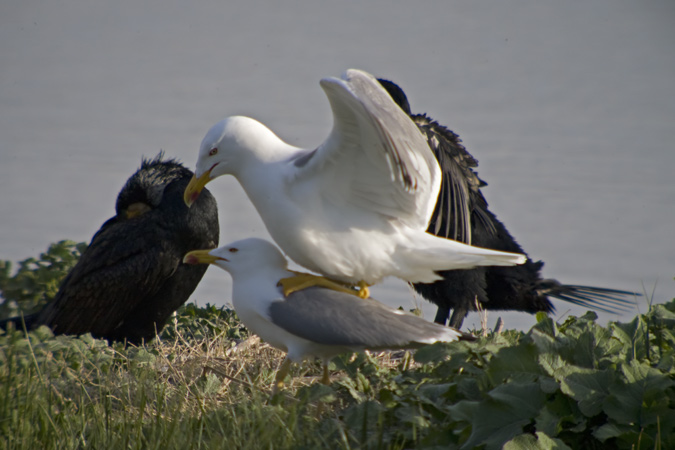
[(200, 257), (194, 188)]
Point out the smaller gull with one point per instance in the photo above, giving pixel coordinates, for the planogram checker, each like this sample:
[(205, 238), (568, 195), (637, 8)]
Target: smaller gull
[(356, 208), (314, 322)]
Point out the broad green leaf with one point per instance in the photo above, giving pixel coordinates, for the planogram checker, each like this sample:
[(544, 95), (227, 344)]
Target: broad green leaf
[(317, 392), (412, 414), (469, 388), (611, 430), (363, 418), (515, 364), (435, 392), (456, 352), (501, 415), (667, 363), (588, 387), (640, 398), (561, 411), (633, 336), (663, 315), (552, 363), (433, 353)]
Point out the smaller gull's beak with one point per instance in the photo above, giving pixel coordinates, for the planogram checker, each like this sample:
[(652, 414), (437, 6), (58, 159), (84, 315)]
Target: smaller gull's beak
[(194, 188), (200, 257)]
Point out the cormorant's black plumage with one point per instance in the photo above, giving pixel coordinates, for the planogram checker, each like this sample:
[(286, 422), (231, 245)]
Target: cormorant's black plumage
[(131, 278), (462, 214)]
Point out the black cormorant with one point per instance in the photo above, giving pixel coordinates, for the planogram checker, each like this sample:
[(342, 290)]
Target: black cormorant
[(131, 278), (462, 214)]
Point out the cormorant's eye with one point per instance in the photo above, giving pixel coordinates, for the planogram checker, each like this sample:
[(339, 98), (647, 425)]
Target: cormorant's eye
[(213, 151), (234, 250)]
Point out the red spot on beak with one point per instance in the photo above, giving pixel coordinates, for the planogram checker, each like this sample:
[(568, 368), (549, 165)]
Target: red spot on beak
[(191, 259), (193, 197)]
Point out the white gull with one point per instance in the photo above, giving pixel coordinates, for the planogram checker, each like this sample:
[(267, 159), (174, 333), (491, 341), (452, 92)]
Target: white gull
[(356, 208)]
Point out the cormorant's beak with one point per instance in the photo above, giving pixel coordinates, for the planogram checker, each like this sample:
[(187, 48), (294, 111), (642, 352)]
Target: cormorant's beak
[(200, 257), (194, 188)]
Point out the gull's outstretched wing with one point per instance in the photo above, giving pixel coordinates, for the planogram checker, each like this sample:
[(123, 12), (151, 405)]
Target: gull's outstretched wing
[(375, 157)]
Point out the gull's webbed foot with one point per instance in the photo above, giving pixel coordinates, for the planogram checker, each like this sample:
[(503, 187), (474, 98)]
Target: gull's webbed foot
[(281, 375), (363, 290), (302, 281)]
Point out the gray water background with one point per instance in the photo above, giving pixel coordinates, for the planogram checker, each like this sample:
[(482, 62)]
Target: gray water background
[(568, 106)]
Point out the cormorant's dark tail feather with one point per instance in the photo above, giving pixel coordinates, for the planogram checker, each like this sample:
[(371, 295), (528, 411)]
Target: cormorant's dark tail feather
[(602, 299), (30, 322)]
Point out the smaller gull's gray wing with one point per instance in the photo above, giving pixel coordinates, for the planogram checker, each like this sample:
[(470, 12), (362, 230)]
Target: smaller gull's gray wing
[(329, 317)]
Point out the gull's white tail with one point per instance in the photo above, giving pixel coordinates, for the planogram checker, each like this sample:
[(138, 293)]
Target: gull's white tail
[(437, 254)]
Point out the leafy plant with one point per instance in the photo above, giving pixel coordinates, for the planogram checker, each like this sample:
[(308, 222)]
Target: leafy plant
[(36, 281), (196, 323), (576, 384)]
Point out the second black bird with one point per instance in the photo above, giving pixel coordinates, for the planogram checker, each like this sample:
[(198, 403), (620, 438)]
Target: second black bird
[(462, 214)]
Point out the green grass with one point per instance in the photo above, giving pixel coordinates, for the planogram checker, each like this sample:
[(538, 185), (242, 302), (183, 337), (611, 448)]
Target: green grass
[(205, 383), (65, 392), (576, 384)]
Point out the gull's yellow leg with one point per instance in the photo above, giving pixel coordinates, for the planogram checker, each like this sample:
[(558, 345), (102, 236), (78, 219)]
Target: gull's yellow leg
[(281, 375), (325, 379), (302, 281)]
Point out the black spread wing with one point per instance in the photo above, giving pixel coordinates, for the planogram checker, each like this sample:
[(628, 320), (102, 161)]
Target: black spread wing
[(460, 200), (460, 195)]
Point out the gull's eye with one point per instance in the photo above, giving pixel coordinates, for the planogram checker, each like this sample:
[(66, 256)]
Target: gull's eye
[(233, 250), (213, 151)]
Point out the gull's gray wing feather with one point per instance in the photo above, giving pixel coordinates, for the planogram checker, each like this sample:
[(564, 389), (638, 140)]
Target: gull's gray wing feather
[(335, 318)]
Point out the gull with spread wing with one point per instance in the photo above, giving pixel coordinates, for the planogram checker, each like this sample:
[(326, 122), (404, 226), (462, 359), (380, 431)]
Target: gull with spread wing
[(356, 208)]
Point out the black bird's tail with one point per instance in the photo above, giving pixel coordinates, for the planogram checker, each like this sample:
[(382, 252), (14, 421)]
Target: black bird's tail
[(602, 299)]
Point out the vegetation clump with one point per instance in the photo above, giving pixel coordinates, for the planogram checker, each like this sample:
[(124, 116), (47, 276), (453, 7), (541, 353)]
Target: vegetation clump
[(204, 383)]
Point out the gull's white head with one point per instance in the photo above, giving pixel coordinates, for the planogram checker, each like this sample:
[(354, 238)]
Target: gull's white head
[(232, 142), (227, 147), (241, 257)]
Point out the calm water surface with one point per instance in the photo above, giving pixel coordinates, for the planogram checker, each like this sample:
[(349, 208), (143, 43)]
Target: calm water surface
[(570, 109)]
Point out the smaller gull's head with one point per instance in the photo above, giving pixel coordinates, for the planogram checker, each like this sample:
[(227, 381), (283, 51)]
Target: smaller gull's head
[(224, 149), (245, 256)]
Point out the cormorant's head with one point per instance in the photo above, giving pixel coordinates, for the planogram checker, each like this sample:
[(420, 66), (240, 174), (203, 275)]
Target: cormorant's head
[(144, 190)]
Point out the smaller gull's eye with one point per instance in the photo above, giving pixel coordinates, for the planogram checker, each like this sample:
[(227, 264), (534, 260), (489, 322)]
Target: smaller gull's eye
[(213, 151), (233, 250)]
